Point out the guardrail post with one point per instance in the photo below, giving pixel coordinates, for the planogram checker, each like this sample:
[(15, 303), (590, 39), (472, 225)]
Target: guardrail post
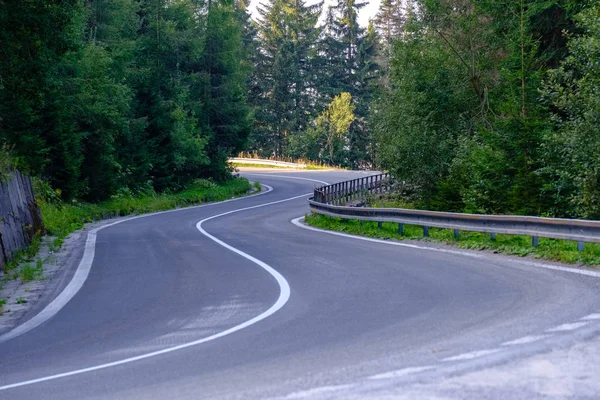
[(535, 241), (492, 236), (425, 231), (456, 234), (401, 229), (580, 246)]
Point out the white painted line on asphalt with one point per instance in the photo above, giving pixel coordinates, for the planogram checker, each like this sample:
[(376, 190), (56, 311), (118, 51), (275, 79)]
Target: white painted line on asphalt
[(525, 340), (284, 294), (471, 355), (401, 372), (591, 317), (290, 177), (84, 268), (316, 391), (568, 327), (297, 222)]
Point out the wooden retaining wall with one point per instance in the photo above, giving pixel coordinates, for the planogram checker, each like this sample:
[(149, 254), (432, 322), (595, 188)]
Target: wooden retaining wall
[(20, 217)]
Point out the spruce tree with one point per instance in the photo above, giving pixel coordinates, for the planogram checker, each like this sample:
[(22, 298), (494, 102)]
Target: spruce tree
[(287, 34)]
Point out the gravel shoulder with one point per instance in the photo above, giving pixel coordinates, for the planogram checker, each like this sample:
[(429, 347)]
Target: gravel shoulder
[(25, 299)]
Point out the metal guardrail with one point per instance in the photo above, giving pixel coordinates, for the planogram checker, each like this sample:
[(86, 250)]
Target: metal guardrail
[(342, 192), (330, 200), (260, 161)]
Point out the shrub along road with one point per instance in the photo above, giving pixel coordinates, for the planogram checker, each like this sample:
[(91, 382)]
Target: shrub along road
[(171, 312)]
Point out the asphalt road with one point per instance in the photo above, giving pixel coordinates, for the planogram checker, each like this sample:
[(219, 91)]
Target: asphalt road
[(360, 314)]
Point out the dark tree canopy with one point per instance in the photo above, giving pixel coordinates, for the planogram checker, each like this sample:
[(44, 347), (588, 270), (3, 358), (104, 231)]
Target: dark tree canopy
[(477, 105)]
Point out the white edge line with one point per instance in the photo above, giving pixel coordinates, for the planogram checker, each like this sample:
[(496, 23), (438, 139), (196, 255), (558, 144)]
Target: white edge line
[(284, 295), (525, 340), (568, 327), (401, 372), (471, 355), (591, 317), (84, 267), (288, 177), (316, 391), (297, 222)]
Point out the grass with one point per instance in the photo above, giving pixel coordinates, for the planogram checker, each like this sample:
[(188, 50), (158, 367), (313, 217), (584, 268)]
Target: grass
[(26, 254), (2, 304), (549, 249), (240, 165), (310, 165), (307, 168), (21, 300), (30, 273), (62, 219)]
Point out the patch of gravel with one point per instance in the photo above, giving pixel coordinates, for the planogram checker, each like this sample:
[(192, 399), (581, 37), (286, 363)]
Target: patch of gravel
[(58, 267)]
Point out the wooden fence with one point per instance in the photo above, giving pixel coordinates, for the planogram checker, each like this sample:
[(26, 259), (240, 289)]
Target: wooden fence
[(20, 217)]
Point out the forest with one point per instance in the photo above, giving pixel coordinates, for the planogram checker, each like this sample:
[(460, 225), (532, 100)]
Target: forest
[(482, 106)]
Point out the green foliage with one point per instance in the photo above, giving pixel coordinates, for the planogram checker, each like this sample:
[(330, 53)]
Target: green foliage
[(35, 35), (303, 66), (418, 121), (573, 150), (477, 105), (6, 163), (30, 273), (334, 124), (459, 117), (284, 73), (549, 249), (23, 255), (63, 218), (105, 95)]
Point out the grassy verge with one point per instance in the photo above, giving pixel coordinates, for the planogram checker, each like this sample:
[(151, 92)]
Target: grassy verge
[(549, 249), (308, 166), (62, 219), (242, 165), (12, 270)]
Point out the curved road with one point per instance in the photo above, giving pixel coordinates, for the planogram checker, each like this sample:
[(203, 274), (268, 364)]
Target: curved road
[(360, 314)]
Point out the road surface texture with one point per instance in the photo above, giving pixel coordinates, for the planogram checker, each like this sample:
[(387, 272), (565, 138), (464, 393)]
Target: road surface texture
[(247, 305)]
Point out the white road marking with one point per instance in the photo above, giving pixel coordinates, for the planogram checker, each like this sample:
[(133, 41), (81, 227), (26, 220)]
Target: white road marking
[(471, 355), (84, 268), (316, 391), (401, 372), (591, 317), (290, 177), (297, 222), (568, 327), (284, 295), (525, 340)]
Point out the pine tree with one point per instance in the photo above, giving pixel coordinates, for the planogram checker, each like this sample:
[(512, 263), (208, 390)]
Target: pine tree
[(389, 23), (287, 34), (330, 63), (225, 110), (356, 70), (34, 120)]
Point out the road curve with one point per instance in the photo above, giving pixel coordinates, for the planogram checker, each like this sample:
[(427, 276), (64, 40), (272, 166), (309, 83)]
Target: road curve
[(358, 311)]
